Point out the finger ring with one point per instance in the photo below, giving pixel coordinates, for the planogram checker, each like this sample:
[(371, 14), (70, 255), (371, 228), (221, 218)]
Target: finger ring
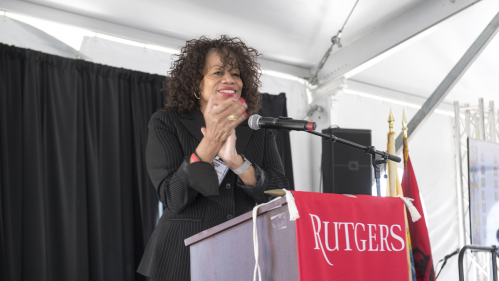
[(232, 117)]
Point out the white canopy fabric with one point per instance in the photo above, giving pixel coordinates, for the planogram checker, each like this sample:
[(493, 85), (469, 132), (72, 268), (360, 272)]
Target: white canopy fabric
[(295, 32), (419, 68)]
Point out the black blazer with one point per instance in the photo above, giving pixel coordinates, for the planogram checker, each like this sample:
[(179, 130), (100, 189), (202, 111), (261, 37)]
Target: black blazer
[(190, 193)]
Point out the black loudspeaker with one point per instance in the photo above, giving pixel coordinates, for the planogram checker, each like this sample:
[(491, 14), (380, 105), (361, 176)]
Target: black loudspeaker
[(346, 170)]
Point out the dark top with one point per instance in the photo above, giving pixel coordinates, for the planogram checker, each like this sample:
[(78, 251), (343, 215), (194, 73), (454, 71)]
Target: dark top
[(190, 193)]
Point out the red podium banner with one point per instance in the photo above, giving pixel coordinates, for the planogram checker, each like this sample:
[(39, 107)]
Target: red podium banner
[(344, 237)]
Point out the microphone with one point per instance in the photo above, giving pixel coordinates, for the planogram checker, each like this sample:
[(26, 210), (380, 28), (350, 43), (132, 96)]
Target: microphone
[(451, 254), (256, 122), (445, 261)]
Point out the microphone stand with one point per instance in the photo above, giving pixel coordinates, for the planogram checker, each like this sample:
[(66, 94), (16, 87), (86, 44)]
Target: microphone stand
[(377, 157)]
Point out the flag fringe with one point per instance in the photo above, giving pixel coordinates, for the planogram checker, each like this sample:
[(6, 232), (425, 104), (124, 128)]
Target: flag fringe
[(415, 216), (293, 211)]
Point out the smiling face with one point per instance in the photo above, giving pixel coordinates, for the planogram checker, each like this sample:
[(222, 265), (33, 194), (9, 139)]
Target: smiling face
[(223, 83)]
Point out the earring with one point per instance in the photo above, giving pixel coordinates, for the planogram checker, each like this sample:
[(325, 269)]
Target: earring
[(196, 96)]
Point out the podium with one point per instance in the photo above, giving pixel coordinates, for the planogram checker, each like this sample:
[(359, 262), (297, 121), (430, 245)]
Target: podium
[(225, 252)]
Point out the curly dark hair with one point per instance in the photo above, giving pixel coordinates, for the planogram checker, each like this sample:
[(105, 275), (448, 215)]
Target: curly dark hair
[(187, 71)]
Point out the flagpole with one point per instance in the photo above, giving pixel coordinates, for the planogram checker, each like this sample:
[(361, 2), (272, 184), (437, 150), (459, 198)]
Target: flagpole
[(404, 136), (391, 149)]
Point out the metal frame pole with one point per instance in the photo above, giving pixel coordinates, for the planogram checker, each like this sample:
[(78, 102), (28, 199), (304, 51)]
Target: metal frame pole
[(462, 252), (481, 120), (467, 120), (459, 175), (497, 124), (492, 122)]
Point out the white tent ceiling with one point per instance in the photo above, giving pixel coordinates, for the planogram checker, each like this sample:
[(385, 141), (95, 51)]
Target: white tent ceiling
[(419, 68), (296, 33), (291, 31)]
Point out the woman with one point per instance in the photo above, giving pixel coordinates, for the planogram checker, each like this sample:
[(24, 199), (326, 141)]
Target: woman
[(213, 87)]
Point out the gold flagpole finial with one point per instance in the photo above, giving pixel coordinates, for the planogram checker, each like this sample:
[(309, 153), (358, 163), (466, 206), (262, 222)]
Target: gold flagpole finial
[(404, 124), (276, 192), (390, 121)]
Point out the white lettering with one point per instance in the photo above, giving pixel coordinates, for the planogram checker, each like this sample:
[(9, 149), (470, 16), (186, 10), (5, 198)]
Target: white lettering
[(371, 236), (317, 236), (335, 236), (386, 234), (347, 237), (397, 237), (316, 233), (363, 241), (384, 237)]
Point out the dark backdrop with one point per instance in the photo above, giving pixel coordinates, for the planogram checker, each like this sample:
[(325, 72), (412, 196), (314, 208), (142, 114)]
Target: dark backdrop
[(76, 201), (275, 106)]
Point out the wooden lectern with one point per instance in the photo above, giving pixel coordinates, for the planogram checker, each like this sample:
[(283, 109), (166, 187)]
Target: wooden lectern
[(225, 252)]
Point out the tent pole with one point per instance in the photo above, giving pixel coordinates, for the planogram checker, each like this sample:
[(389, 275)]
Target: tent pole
[(451, 79)]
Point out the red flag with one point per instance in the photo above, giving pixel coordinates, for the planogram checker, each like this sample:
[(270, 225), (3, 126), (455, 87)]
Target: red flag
[(421, 248)]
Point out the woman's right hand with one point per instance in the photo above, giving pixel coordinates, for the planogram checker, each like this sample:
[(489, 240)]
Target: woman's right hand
[(218, 126), (216, 117)]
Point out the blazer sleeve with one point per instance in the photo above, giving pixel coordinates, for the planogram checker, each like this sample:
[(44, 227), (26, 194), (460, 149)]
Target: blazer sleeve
[(176, 181), (270, 175)]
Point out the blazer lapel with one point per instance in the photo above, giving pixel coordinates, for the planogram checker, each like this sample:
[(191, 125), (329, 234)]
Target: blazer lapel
[(193, 121)]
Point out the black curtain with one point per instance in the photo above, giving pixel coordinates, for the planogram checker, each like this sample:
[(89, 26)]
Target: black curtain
[(76, 199), (275, 106)]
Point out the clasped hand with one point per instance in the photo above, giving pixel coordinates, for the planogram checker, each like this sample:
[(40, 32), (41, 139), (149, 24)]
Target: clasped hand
[(220, 130)]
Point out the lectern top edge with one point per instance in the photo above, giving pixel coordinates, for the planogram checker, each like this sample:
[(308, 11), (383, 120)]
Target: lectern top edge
[(235, 221)]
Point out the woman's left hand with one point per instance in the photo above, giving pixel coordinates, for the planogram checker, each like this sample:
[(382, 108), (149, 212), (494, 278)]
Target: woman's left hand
[(228, 151), (229, 154)]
